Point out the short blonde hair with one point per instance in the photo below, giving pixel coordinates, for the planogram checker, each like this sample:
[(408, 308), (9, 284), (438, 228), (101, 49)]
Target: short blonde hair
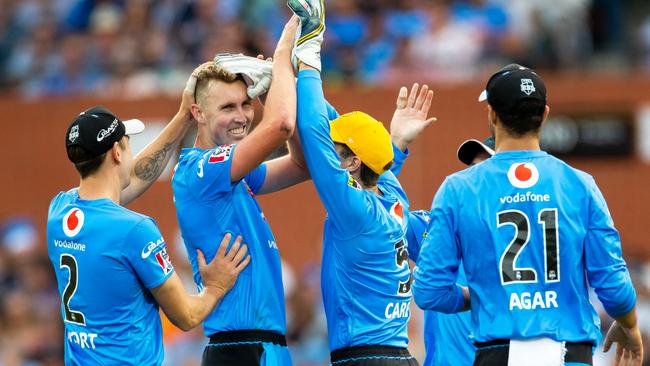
[(213, 72)]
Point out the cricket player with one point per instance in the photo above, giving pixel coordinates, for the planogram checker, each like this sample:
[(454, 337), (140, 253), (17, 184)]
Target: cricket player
[(532, 233), (111, 264), (365, 275), (447, 336), (215, 184)]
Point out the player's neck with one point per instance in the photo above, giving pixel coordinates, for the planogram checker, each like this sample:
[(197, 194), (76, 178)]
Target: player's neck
[(203, 143), (100, 185), (505, 142), (372, 188)]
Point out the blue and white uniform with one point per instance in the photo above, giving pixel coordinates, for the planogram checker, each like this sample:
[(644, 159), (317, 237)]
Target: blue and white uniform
[(208, 206), (365, 275), (106, 258), (533, 233)]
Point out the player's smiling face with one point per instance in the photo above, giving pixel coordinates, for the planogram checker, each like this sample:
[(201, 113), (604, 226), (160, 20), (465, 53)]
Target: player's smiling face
[(226, 112)]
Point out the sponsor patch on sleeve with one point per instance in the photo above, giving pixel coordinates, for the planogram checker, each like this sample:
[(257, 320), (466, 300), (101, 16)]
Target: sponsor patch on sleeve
[(220, 154), (163, 261)]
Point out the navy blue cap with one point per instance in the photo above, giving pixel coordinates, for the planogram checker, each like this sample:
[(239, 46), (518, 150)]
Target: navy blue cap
[(510, 85)]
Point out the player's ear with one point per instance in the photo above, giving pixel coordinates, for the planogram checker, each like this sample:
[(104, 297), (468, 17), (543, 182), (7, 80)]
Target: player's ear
[(195, 109), (492, 116), (116, 152), (354, 164)]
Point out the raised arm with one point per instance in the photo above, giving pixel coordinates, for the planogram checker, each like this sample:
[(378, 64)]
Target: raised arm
[(289, 170), (187, 311), (279, 121), (286, 171), (409, 120), (149, 163), (342, 198)]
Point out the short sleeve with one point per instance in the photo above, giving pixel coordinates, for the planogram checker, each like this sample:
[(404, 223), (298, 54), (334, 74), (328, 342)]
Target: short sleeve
[(146, 252), (255, 179), (209, 173)]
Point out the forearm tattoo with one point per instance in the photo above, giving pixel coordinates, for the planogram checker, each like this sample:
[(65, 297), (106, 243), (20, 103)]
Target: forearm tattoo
[(149, 167)]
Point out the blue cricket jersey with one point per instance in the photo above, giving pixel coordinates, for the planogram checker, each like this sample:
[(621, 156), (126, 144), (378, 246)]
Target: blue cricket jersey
[(533, 234), (208, 206), (106, 258), (446, 336), (365, 272)]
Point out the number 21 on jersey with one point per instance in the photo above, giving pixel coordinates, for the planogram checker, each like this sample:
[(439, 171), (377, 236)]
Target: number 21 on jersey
[(510, 273)]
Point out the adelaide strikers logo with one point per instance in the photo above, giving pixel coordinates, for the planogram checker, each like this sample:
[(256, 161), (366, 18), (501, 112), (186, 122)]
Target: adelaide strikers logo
[(527, 86), (523, 175), (73, 221)]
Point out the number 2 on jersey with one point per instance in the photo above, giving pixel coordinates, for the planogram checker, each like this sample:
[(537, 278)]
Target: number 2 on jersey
[(71, 316), (510, 273)]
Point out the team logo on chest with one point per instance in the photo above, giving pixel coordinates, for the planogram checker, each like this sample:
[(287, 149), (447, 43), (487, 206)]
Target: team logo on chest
[(73, 221), (220, 154), (523, 175)]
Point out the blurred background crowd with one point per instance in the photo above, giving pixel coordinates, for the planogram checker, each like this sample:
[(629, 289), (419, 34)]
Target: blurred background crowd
[(142, 48), (139, 48)]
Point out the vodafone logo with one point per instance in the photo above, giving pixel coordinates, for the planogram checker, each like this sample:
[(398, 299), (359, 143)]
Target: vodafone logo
[(73, 221), (523, 175)]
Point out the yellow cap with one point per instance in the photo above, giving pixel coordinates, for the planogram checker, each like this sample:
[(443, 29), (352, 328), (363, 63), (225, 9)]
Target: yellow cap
[(366, 137)]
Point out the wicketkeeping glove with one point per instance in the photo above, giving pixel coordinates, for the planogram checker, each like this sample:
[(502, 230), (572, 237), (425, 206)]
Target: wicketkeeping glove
[(256, 73), (310, 33)]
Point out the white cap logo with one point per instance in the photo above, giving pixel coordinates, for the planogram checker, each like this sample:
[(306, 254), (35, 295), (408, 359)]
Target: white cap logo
[(74, 133), (106, 132), (523, 175), (73, 221), (527, 86)]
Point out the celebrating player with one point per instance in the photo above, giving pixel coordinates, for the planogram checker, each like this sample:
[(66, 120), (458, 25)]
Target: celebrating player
[(111, 263), (365, 272), (214, 187), (532, 233)]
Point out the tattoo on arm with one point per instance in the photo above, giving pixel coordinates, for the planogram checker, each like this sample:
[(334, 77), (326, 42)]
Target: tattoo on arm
[(149, 167)]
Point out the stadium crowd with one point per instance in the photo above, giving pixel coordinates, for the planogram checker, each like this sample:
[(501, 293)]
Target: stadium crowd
[(140, 48)]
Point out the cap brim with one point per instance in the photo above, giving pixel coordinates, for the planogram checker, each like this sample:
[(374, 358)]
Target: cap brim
[(483, 96), (133, 126), (467, 150)]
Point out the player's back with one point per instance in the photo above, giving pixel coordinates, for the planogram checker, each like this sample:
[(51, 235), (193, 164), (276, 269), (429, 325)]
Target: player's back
[(542, 230), (110, 317), (366, 276), (208, 205)]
